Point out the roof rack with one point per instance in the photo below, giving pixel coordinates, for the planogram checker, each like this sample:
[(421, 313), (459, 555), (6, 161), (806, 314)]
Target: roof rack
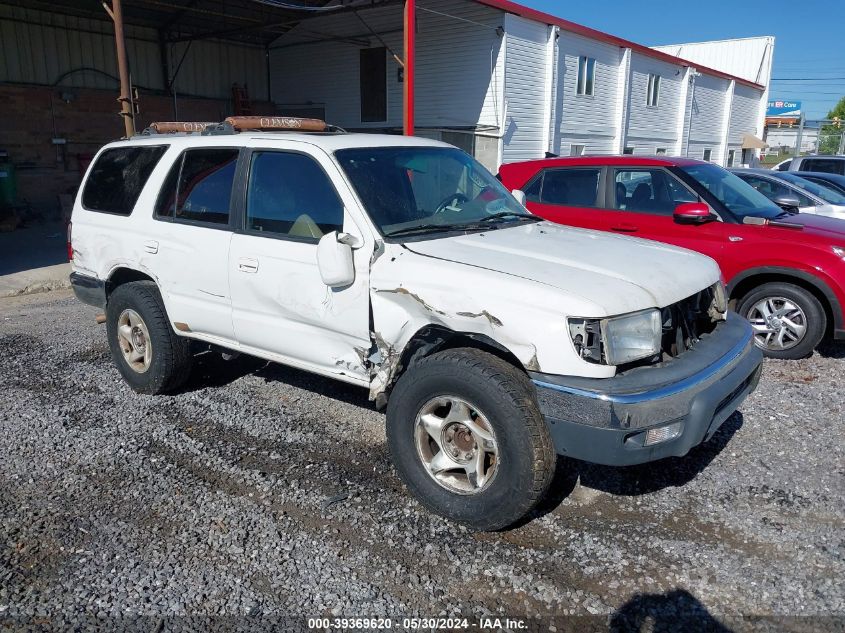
[(237, 124)]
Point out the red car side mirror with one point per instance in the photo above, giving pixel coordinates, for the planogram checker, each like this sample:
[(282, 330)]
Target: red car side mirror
[(693, 213)]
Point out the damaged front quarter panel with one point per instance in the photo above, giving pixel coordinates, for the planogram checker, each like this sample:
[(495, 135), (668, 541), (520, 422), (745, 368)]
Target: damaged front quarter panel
[(412, 293)]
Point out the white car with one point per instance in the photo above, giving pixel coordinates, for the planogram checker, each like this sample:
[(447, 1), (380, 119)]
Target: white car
[(494, 339)]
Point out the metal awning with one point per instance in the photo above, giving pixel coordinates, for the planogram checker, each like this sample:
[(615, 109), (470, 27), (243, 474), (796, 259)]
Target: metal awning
[(749, 141)]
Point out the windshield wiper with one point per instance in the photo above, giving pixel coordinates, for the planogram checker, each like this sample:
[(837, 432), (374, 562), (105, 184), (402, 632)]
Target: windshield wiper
[(507, 214), (428, 228)]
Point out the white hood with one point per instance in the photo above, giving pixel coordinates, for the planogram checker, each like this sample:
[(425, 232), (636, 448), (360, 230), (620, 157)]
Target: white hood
[(619, 273)]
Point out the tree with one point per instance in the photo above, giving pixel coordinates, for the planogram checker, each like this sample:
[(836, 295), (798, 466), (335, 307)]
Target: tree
[(831, 134)]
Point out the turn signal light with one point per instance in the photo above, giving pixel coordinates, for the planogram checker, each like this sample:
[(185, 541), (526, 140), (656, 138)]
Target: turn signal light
[(662, 434)]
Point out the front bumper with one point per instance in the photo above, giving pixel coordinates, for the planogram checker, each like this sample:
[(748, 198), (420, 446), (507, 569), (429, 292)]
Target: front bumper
[(89, 290), (607, 421)]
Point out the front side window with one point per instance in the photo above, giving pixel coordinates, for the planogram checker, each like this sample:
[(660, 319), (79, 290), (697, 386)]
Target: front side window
[(649, 191), (567, 187), (117, 178), (419, 190), (199, 186), (773, 189), (824, 164), (653, 96), (730, 190), (823, 191), (290, 195), (586, 75)]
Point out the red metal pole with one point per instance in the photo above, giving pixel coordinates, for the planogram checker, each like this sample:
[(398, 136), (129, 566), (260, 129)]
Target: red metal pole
[(410, 62)]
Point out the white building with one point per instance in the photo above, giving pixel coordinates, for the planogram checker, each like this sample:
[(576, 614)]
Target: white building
[(509, 83)]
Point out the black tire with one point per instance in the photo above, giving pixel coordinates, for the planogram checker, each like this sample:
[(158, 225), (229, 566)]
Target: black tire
[(504, 396), (170, 359), (816, 320)]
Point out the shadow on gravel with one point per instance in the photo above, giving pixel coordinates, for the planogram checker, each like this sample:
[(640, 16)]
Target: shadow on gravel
[(633, 480), (671, 472), (676, 610), (212, 370), (832, 349)]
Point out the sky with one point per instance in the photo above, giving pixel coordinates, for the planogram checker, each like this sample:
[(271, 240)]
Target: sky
[(808, 34)]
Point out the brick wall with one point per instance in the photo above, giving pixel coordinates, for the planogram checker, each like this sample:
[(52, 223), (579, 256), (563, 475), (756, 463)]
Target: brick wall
[(87, 120)]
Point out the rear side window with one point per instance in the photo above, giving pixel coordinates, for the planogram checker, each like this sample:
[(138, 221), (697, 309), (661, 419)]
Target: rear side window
[(290, 195), (199, 187), (117, 178), (566, 187), (826, 165)]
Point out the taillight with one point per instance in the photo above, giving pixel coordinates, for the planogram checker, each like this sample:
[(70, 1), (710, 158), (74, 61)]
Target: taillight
[(69, 243)]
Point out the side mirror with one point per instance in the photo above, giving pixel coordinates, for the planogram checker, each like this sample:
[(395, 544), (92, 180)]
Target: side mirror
[(334, 259), (520, 196), (787, 202), (693, 213)]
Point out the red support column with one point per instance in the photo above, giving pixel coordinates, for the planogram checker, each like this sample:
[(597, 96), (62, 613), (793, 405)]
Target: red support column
[(410, 61)]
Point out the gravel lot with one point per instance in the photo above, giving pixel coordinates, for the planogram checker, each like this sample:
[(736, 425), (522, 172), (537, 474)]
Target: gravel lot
[(264, 491)]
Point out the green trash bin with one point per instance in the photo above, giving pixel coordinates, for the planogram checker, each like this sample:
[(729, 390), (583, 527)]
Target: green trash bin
[(8, 183)]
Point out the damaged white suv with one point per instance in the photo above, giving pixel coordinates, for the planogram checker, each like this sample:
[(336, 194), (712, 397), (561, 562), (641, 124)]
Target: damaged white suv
[(494, 339)]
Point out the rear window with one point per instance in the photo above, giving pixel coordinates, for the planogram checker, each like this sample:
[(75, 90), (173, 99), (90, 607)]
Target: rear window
[(566, 187), (827, 165), (118, 177), (199, 186)]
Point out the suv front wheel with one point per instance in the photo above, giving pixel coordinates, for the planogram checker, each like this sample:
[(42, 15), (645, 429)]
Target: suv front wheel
[(150, 356), (467, 438), (788, 320)]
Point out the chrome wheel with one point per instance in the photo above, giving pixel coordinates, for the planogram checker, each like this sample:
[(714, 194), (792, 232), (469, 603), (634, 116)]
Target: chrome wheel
[(456, 444), (134, 341), (779, 323)]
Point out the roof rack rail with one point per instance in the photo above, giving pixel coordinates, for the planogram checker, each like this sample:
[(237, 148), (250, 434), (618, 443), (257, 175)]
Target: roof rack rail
[(237, 124)]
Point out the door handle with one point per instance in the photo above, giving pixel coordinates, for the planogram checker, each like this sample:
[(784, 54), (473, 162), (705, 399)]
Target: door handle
[(151, 246), (625, 228), (248, 265)]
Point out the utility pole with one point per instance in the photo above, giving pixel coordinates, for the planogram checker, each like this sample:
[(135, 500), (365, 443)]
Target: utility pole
[(116, 14)]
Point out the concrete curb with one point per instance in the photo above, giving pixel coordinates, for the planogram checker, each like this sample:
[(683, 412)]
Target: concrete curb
[(34, 281)]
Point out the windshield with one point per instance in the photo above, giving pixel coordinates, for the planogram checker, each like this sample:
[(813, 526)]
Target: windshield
[(419, 190), (826, 194), (738, 196)]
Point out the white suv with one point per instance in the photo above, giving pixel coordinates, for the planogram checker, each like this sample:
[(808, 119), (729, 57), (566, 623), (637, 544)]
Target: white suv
[(494, 339)]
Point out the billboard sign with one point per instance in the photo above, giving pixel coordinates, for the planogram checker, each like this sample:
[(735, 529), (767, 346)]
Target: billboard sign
[(784, 109)]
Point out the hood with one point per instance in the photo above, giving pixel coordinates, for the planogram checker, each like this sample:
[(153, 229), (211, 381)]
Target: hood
[(621, 274), (824, 227)]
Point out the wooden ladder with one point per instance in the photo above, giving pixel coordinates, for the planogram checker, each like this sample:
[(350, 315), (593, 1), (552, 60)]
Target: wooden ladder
[(240, 100)]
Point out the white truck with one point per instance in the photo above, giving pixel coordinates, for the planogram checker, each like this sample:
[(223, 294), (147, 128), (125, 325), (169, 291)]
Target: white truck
[(495, 340)]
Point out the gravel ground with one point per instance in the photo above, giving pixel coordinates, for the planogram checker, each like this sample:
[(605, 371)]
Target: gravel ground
[(263, 491)]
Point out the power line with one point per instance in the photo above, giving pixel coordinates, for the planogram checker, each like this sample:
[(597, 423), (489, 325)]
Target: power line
[(808, 78)]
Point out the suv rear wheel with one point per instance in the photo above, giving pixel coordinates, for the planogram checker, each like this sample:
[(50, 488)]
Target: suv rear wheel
[(467, 438), (150, 356), (788, 320)]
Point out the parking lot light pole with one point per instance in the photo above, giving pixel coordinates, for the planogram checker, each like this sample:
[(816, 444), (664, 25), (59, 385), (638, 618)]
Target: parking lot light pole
[(410, 62)]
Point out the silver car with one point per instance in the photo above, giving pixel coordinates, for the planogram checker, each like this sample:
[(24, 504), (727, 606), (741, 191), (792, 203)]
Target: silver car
[(794, 193)]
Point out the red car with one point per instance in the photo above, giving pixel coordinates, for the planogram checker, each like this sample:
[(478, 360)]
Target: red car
[(785, 271)]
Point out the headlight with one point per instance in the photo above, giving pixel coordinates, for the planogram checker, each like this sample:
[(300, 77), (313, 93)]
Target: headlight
[(839, 251), (632, 337)]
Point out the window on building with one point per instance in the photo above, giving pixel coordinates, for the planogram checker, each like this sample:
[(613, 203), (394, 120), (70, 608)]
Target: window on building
[(661, 151), (566, 187), (649, 191), (117, 178), (586, 75), (653, 96), (708, 154), (576, 150), (199, 186), (373, 84), (628, 150), (731, 157), (290, 195)]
